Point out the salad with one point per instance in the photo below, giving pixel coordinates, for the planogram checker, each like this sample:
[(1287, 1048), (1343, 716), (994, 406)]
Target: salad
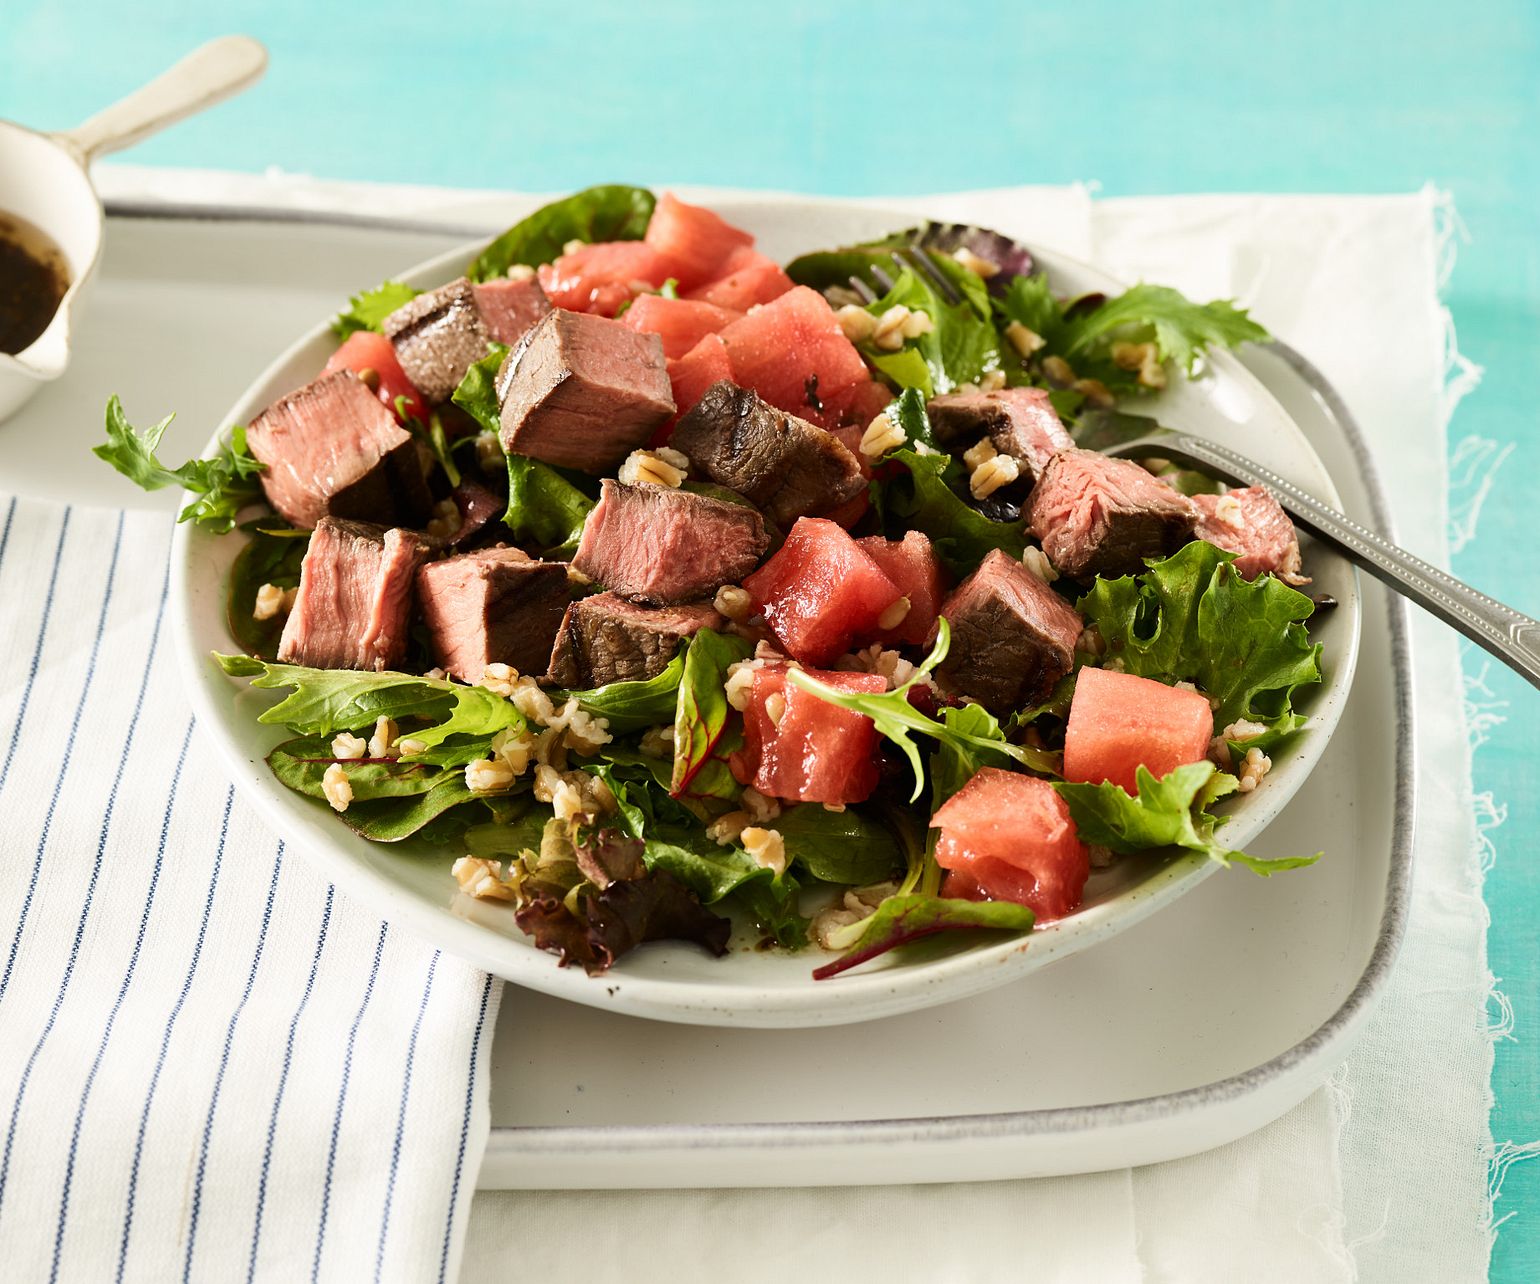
[(670, 592)]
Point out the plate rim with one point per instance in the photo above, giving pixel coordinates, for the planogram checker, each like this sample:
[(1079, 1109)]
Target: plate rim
[(671, 1000)]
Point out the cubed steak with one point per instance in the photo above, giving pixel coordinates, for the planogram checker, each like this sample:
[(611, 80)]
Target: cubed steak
[(606, 639), (437, 336), (1013, 637), (478, 508), (355, 597), (787, 466), (1021, 422), (331, 449), (1251, 524), (510, 308), (661, 545), (1096, 515), (583, 392), (497, 605)]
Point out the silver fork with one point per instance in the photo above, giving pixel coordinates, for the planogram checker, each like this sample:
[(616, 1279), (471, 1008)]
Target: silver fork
[(1513, 638)]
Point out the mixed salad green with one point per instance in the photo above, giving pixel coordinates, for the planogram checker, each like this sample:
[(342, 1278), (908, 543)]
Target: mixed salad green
[(630, 844)]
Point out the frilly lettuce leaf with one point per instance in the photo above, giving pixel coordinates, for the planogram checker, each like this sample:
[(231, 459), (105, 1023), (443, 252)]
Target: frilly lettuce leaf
[(367, 311)]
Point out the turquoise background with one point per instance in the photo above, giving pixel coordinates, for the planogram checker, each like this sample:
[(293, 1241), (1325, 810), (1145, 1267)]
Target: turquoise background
[(1143, 97)]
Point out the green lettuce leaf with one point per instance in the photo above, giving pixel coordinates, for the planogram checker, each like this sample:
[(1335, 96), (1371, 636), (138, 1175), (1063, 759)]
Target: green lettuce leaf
[(326, 701), (223, 485), (923, 500), (545, 510), (367, 311), (631, 706), (391, 820), (266, 559), (1192, 618), (607, 213), (848, 847), (702, 715), (1168, 812), (477, 393), (896, 718), (301, 764), (900, 920), (1182, 330)]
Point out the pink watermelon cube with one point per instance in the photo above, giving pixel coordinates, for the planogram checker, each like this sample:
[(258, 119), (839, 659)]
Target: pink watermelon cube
[(913, 566), (599, 277), (695, 242), (1010, 837), (748, 277), (680, 323), (821, 592), (1119, 722), (799, 748)]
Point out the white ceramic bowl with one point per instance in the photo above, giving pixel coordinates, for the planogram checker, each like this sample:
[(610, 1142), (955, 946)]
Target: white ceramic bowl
[(411, 884)]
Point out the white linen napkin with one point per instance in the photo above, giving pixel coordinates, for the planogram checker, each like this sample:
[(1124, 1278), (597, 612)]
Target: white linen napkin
[(1380, 1176), (212, 1065)]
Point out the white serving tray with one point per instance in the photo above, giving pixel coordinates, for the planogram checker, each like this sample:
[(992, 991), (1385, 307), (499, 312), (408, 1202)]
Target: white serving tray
[(1200, 1024)]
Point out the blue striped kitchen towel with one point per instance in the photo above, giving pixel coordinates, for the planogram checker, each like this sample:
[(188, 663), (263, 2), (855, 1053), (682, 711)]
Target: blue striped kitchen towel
[(213, 1066)]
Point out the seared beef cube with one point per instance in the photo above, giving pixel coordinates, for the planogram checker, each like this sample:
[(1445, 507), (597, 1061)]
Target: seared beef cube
[(1013, 637), (1021, 422), (332, 449), (479, 508), (583, 391), (437, 336), (497, 605), (606, 639), (1096, 515), (355, 595), (785, 465), (657, 544), (1251, 524), (509, 308)]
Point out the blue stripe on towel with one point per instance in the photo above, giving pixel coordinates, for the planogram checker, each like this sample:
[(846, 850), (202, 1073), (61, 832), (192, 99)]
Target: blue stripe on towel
[(165, 1038), (42, 635), (112, 1017), (406, 1091), (101, 846), (283, 1079), (342, 1096), (465, 1128), (224, 1062), (5, 535)]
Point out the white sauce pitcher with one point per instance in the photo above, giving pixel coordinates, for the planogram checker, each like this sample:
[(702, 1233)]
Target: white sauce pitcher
[(44, 179)]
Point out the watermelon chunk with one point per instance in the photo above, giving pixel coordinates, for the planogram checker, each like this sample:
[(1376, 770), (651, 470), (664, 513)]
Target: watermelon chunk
[(792, 352), (690, 376), (1009, 837), (695, 242), (748, 277), (368, 350), (821, 592), (680, 323), (814, 751), (1118, 722), (599, 277), (913, 566)]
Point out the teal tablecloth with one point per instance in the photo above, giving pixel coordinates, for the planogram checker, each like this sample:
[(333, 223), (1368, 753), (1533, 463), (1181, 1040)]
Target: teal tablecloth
[(1144, 97)]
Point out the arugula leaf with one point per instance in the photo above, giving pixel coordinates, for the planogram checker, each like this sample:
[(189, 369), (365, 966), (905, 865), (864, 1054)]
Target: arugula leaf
[(1182, 330), (266, 559), (544, 508), (630, 706), (896, 718), (701, 714), (1029, 300), (961, 345), (1167, 813), (301, 764), (477, 393), (326, 701), (610, 212), (900, 920), (223, 485), (1192, 618), (847, 847), (367, 311)]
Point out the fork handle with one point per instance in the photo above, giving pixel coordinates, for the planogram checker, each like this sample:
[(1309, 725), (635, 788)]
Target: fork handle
[(1513, 638)]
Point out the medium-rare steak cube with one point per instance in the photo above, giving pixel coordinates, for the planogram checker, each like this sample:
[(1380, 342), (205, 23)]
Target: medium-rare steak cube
[(510, 308), (606, 639), (437, 336), (657, 544), (1251, 524), (583, 391), (355, 597), (332, 449), (787, 466), (1021, 422), (1096, 515), (478, 508), (1013, 637), (497, 605)]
